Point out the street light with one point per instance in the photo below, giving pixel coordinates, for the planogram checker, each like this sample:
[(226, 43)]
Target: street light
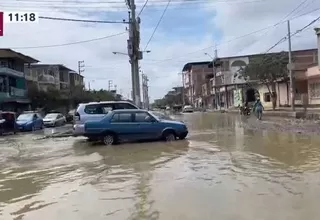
[(121, 53)]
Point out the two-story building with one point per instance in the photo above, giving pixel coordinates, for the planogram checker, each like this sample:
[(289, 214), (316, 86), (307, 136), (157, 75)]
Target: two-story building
[(227, 90), (52, 76), (76, 79), (194, 76), (13, 92)]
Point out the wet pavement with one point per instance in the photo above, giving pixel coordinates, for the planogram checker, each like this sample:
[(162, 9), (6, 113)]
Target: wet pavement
[(227, 169)]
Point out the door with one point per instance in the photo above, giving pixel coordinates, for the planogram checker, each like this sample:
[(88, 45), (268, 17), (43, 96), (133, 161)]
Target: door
[(122, 124), (146, 126)]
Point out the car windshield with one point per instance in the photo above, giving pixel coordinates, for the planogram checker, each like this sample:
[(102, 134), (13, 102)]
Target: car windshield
[(25, 117), (51, 116), (155, 116), (161, 116)]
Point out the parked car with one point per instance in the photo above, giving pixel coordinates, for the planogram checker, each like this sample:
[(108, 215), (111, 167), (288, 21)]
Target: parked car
[(54, 119), (8, 122), (188, 108), (134, 125), (29, 121), (96, 111)]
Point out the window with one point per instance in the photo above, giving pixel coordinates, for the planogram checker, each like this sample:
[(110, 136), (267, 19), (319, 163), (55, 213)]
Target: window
[(122, 117), (98, 108), (267, 97), (124, 106), (142, 117), (314, 89)]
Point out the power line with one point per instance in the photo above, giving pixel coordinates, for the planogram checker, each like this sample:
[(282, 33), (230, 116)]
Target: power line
[(294, 10), (144, 5), (295, 33), (155, 29), (72, 43), (82, 20), (118, 2), (118, 5), (236, 38)]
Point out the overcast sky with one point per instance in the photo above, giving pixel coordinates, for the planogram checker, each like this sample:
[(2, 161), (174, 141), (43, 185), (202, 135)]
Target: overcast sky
[(189, 29)]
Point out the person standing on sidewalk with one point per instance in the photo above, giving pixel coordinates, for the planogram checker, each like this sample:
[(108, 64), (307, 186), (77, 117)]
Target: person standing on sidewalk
[(258, 108)]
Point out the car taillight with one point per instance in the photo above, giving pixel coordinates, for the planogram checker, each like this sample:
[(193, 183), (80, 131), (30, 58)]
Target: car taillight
[(77, 116)]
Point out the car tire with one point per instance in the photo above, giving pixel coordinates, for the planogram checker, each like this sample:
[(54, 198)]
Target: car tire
[(169, 136), (109, 139), (182, 137), (42, 126)]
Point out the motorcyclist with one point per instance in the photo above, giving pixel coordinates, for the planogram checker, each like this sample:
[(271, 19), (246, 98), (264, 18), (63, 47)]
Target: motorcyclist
[(258, 108)]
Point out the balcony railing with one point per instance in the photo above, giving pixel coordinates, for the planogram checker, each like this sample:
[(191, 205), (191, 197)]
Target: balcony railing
[(12, 72), (17, 92)]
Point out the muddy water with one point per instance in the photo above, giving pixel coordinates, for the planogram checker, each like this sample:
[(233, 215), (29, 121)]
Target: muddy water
[(222, 171)]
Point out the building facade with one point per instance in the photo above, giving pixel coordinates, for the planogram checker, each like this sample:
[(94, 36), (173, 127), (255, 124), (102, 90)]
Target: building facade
[(226, 90), (56, 76), (13, 90)]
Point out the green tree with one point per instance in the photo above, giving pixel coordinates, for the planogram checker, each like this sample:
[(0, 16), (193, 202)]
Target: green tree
[(268, 70)]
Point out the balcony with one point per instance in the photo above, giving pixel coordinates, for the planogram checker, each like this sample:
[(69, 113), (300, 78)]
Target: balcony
[(14, 92), (46, 79), (12, 72)]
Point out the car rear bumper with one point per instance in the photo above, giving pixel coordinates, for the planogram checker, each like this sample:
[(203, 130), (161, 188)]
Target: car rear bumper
[(78, 130)]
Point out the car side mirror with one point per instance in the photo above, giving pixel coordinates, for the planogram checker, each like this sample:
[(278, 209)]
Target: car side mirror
[(153, 120)]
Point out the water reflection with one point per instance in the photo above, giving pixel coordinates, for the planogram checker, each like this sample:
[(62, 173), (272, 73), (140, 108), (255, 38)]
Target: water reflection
[(273, 174)]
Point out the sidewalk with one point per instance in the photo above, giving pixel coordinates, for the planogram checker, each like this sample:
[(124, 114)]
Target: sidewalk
[(311, 113)]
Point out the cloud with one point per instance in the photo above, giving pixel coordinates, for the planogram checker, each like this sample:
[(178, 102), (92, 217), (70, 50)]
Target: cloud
[(101, 64), (236, 20), (187, 28)]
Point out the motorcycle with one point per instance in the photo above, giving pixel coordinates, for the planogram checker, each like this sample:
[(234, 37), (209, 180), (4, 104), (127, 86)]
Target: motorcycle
[(245, 110)]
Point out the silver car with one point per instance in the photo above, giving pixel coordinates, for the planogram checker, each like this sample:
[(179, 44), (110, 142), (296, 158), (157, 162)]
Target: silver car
[(54, 119), (96, 111)]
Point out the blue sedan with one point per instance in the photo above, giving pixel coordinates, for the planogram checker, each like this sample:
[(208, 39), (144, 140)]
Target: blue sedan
[(134, 125), (29, 122)]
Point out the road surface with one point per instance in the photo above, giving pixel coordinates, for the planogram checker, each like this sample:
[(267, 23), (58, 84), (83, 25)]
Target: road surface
[(230, 167)]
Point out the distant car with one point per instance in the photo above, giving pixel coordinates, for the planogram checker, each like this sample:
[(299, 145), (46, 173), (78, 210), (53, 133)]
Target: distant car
[(134, 125), (96, 111), (29, 122), (188, 108), (54, 119)]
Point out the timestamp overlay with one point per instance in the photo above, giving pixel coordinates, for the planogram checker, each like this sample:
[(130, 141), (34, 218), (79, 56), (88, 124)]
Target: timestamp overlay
[(17, 17)]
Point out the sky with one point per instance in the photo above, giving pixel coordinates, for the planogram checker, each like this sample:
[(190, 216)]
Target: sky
[(188, 30)]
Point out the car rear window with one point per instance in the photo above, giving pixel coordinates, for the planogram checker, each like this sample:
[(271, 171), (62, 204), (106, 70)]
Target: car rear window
[(124, 106), (122, 117), (98, 108)]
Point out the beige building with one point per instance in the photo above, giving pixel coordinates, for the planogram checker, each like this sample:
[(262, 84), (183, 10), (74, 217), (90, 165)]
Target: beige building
[(54, 76)]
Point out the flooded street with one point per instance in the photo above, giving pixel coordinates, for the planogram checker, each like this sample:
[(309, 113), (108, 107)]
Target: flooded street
[(222, 171)]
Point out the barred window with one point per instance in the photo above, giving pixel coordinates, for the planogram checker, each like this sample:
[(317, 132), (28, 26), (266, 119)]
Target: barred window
[(314, 89)]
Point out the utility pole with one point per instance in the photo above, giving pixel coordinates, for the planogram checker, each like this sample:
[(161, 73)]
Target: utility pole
[(290, 68), (109, 85), (182, 91), (80, 67), (214, 71), (145, 92), (134, 51)]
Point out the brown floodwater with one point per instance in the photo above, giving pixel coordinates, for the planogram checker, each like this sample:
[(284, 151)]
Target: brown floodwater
[(222, 171)]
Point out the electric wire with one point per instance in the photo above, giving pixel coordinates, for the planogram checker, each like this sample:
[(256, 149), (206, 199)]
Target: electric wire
[(155, 29), (72, 43)]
